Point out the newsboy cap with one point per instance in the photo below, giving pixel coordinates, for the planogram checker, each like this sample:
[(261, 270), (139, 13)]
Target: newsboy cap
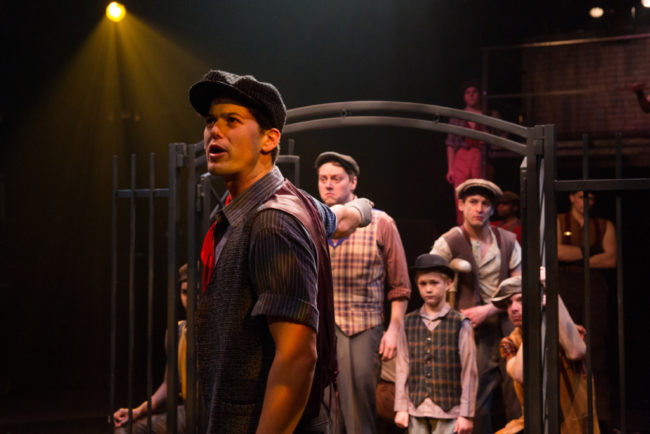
[(348, 163), (470, 185), (245, 88), (431, 262), (507, 288)]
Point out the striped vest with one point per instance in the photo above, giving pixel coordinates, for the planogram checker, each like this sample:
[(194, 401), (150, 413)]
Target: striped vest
[(434, 362)]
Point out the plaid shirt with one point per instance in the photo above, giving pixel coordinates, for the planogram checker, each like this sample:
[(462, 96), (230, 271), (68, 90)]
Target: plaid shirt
[(360, 264)]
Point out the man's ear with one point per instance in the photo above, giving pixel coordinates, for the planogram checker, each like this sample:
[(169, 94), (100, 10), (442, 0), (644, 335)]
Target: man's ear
[(353, 181), (270, 140), (461, 205)]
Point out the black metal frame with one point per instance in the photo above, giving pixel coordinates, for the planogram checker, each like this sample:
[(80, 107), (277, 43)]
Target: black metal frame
[(536, 145)]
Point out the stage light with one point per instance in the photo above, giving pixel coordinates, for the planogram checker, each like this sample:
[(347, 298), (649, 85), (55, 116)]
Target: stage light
[(645, 3), (115, 11), (596, 12)]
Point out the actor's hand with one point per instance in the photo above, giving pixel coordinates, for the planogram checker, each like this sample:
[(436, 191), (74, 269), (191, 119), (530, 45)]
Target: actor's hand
[(388, 344), (121, 416), (478, 314), (463, 425), (402, 419), (450, 176)]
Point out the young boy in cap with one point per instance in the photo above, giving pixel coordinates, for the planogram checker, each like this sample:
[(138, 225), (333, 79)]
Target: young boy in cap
[(437, 378), (572, 351)]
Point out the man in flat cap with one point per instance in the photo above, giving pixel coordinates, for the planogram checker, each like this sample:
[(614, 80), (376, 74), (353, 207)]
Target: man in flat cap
[(572, 351), (361, 263), (495, 255), (265, 310)]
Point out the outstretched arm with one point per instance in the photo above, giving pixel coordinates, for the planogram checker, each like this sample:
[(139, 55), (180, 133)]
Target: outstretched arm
[(290, 377), (570, 340), (352, 215)]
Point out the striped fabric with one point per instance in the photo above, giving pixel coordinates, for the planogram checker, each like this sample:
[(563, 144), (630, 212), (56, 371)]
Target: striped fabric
[(360, 264), (434, 361)]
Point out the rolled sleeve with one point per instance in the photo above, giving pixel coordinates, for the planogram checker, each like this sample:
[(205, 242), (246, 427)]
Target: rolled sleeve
[(399, 284), (283, 263)]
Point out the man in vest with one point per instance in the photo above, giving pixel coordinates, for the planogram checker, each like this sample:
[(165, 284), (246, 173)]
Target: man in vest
[(266, 270), (495, 255), (360, 265), (571, 286)]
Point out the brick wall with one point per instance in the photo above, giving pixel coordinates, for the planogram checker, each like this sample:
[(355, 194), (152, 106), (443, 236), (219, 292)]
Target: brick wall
[(585, 87)]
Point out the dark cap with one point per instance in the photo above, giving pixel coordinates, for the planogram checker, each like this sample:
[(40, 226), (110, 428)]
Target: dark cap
[(348, 163), (478, 186), (431, 262), (245, 88), (507, 288), (509, 197)]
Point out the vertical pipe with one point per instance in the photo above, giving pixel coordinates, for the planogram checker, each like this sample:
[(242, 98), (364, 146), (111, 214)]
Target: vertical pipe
[(175, 158), (587, 278), (619, 290), (551, 342), (150, 265), (533, 410), (113, 300), (131, 294), (194, 205)]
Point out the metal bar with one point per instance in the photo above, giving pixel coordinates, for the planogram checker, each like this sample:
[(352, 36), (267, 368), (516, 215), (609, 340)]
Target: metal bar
[(131, 297), (150, 264), (113, 296), (190, 364), (587, 278), (421, 124), (172, 348), (349, 109), (570, 42), (533, 410), (594, 185), (550, 237), (620, 291)]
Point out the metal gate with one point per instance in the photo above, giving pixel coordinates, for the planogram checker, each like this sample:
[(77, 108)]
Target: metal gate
[(537, 148)]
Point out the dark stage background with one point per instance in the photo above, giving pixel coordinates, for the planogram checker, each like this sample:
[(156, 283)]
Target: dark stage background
[(77, 90)]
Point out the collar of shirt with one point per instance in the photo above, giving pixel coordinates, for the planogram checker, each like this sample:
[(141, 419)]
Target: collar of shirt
[(239, 207), (444, 311)]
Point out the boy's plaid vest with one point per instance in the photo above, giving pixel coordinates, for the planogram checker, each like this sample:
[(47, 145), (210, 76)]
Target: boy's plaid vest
[(434, 362)]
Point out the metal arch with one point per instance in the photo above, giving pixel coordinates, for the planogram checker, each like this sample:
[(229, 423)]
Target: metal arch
[(402, 114), (421, 124)]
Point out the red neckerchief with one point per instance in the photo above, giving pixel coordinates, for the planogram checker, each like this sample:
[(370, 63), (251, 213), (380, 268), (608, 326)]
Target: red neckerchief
[(207, 252)]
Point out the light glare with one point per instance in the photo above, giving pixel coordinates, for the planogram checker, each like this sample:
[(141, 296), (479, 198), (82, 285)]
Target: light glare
[(645, 3), (596, 12), (115, 11)]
